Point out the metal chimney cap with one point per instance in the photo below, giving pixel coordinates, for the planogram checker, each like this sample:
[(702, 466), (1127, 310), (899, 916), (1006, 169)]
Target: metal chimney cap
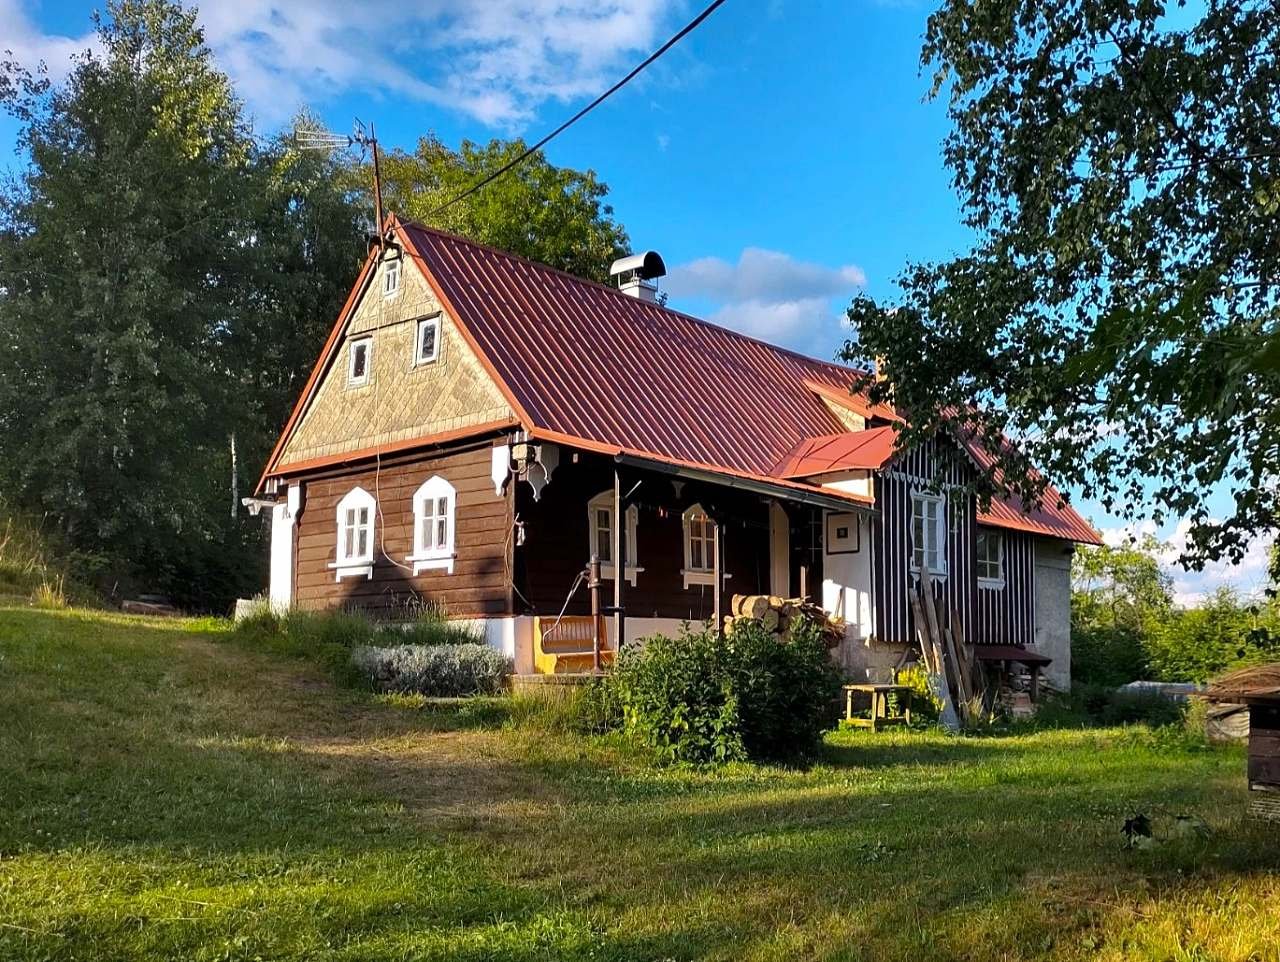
[(645, 266)]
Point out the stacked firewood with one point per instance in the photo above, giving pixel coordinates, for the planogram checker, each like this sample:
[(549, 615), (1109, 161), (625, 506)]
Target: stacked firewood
[(777, 615)]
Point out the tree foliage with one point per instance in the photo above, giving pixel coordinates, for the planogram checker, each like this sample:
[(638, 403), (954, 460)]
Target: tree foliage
[(1118, 163), (1125, 625), (553, 215), (162, 277)]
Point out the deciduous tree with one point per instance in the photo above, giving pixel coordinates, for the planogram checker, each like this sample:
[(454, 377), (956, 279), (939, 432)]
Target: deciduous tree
[(1118, 163)]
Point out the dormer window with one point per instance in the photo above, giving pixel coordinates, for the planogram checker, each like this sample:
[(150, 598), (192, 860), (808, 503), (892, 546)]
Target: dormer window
[(427, 341), (391, 279), (359, 354)]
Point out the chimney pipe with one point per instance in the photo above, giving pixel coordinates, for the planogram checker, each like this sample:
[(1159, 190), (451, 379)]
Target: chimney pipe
[(637, 275)]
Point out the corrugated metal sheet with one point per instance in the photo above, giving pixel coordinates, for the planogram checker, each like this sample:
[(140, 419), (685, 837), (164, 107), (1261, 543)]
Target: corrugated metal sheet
[(852, 451), (586, 361)]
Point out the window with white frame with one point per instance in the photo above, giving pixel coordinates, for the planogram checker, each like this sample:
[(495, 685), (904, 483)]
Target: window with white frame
[(391, 278), (426, 343), (354, 555), (600, 524), (928, 534), (359, 356), (990, 559), (699, 547), (434, 508)]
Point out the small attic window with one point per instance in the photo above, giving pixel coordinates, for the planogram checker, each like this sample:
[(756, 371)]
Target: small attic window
[(359, 353), (427, 342), (391, 279)]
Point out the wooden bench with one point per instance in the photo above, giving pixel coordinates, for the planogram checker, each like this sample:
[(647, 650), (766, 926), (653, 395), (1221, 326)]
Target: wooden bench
[(879, 705), (566, 645)]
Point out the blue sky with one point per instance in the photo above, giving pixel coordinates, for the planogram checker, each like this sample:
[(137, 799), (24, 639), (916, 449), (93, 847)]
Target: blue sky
[(780, 158)]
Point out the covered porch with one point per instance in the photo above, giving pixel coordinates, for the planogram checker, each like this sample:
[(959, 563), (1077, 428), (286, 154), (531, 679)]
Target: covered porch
[(690, 539)]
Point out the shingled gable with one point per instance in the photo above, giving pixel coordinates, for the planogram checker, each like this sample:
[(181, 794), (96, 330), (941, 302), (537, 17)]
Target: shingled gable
[(583, 364)]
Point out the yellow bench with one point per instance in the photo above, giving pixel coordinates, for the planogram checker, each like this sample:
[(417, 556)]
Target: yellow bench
[(567, 646)]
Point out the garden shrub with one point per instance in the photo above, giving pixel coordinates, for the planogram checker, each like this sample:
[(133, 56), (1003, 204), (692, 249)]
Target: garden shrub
[(329, 636), (702, 698), (1110, 655), (433, 670)]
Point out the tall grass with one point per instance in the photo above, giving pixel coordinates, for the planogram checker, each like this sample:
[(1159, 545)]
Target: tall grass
[(330, 636), (31, 567)]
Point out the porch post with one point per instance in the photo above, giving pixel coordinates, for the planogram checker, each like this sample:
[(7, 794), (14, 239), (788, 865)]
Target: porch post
[(619, 560), (717, 578)]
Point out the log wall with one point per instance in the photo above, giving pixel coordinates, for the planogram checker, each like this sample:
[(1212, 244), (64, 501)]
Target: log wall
[(557, 544), (480, 581)]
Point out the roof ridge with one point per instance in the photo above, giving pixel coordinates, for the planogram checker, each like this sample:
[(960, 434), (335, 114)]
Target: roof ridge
[(701, 321)]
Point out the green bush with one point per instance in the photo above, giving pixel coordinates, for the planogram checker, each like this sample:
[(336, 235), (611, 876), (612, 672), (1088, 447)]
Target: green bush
[(1105, 705), (1109, 655), (438, 671), (705, 698), (1224, 633), (328, 637)]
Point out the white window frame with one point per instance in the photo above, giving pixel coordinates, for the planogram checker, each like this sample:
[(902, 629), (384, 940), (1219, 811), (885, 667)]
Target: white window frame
[(985, 581), (391, 278), (604, 502), (349, 563), (703, 574), (352, 380), (920, 499), (418, 359), (435, 555)]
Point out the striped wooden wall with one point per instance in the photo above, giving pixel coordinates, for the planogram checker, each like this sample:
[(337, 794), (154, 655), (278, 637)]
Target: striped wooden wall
[(1006, 616), (993, 616)]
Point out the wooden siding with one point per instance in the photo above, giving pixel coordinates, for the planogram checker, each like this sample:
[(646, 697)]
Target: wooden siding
[(480, 581), (557, 544), (1006, 616), (996, 616)]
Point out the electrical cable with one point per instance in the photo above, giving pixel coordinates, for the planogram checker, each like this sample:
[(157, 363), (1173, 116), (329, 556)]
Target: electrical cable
[(684, 31)]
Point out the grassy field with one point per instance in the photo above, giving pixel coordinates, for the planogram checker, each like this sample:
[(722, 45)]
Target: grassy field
[(167, 794)]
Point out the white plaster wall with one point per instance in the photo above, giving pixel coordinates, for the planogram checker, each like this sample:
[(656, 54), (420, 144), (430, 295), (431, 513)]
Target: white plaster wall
[(1053, 609), (846, 585), (283, 518)]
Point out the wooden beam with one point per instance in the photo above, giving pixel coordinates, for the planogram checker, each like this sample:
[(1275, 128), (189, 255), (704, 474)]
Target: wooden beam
[(619, 560), (716, 577)]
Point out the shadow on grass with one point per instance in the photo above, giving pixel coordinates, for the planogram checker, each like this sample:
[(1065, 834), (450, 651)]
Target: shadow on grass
[(165, 798)]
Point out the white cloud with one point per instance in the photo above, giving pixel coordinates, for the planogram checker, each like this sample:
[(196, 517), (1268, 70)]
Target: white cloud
[(30, 46), (768, 294), (1190, 588), (762, 275), (496, 60)]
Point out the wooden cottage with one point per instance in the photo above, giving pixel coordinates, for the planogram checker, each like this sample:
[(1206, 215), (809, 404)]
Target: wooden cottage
[(1258, 688), (478, 426)]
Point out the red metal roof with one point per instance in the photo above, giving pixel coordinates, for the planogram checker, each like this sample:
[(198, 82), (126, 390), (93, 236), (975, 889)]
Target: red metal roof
[(850, 451), (585, 363), (586, 360)]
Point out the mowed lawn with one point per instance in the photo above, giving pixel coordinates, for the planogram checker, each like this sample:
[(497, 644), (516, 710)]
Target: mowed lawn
[(167, 794)]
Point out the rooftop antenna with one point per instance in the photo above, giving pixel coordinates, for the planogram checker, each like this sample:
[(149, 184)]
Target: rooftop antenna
[(360, 136)]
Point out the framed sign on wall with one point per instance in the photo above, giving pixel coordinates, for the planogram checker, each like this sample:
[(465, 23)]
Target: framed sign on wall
[(843, 533)]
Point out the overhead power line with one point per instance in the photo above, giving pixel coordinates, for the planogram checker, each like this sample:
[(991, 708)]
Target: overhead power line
[(684, 31)]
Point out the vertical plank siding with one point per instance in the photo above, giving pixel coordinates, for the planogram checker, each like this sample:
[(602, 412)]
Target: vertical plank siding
[(992, 616), (1006, 615)]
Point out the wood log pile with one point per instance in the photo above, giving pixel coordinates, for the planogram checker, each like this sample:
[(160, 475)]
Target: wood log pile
[(777, 615)]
